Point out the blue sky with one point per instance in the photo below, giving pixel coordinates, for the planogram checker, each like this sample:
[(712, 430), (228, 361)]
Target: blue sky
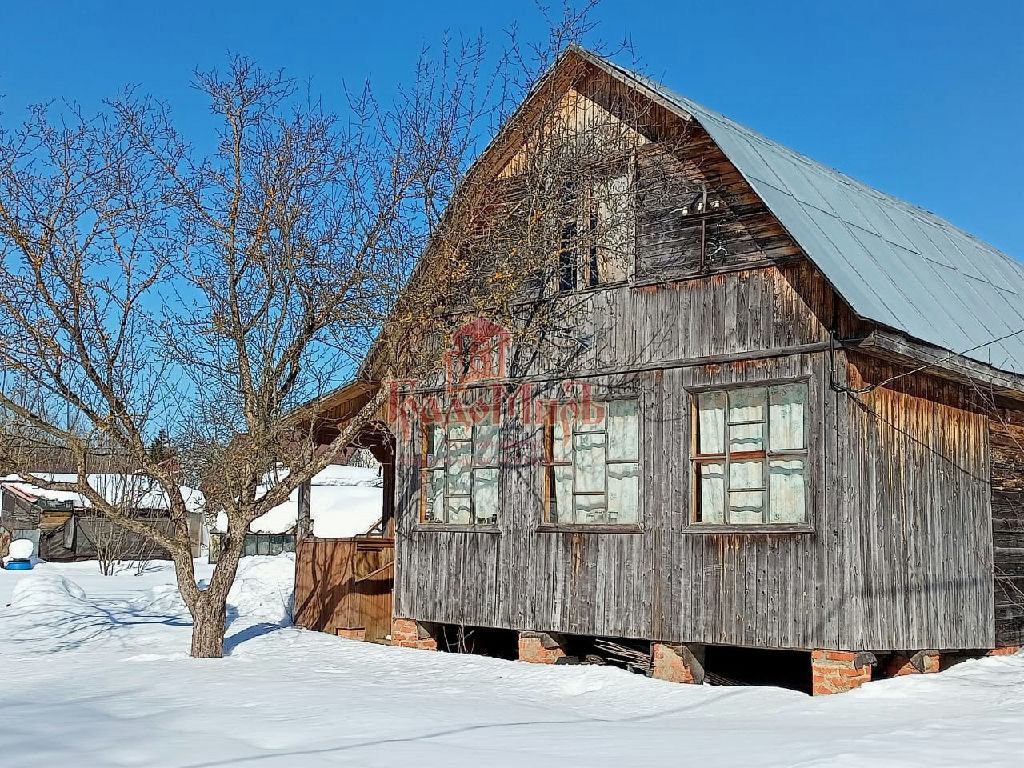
[(924, 100)]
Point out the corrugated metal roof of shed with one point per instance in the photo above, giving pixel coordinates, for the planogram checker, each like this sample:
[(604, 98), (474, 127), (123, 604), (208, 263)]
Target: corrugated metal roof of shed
[(894, 263)]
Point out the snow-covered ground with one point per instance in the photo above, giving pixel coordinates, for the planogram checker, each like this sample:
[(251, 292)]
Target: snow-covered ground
[(94, 672)]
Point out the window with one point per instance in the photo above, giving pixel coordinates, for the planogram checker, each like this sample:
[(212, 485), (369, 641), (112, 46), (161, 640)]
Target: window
[(596, 234), (460, 474), (593, 470), (750, 457)]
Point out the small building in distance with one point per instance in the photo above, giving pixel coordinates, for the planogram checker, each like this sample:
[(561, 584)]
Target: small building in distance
[(63, 526), (344, 501)]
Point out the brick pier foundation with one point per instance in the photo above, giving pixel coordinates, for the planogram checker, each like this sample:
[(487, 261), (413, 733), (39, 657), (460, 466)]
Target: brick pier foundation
[(1006, 650), (540, 648), (839, 671), (408, 633), (676, 663), (921, 663)]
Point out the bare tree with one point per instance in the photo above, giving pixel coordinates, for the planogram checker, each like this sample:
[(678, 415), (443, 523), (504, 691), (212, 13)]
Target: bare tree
[(149, 284), (146, 284), (118, 549)]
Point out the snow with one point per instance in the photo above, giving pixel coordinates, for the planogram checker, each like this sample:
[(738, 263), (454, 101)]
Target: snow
[(344, 501), (21, 549), (94, 672), (142, 492)]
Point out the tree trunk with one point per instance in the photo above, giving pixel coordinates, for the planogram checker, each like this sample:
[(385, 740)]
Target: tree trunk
[(209, 625), (209, 608)]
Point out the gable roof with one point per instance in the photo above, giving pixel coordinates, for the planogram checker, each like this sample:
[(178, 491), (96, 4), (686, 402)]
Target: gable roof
[(893, 263)]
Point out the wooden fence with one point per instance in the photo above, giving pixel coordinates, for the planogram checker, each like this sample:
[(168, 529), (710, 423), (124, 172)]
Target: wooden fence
[(344, 586)]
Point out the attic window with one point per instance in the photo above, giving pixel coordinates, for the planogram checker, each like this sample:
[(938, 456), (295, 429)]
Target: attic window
[(596, 234), (750, 455), (460, 474)]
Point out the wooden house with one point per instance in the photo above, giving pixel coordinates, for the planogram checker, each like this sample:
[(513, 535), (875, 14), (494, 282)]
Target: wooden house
[(803, 432)]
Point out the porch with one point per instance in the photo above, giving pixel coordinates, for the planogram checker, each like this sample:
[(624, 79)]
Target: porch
[(344, 586)]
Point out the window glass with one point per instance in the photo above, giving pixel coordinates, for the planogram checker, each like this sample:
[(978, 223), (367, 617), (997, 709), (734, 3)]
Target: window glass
[(623, 492), (485, 444), (590, 508), (712, 422), (788, 406), (458, 510), (561, 443), (746, 507), (614, 209), (623, 431), (746, 475), (596, 234), (460, 467), (746, 437), (435, 505), (589, 460), (435, 445), (787, 491), (760, 432), (561, 478), (594, 472), (459, 432), (746, 405), (712, 492), (594, 419), (485, 496), (461, 476)]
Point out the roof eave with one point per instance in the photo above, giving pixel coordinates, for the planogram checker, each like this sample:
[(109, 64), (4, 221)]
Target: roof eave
[(899, 347)]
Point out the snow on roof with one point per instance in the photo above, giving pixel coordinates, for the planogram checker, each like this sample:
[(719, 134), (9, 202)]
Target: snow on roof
[(344, 501), (140, 491)]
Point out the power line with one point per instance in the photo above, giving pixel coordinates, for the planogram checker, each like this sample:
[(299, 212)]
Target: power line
[(924, 366), (854, 395)]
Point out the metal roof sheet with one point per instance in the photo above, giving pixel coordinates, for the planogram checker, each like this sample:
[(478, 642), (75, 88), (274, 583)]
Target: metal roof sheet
[(894, 263)]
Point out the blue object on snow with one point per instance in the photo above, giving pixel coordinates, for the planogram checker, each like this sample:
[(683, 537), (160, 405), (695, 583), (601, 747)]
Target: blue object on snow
[(19, 565)]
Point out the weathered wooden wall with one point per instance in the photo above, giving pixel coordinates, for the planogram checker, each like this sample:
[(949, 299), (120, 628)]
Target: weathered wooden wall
[(897, 554), (921, 480), (344, 584), (673, 239), (1007, 436)]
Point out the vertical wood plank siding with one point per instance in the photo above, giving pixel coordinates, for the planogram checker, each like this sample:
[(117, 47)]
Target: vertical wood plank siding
[(1007, 437), (900, 554), (344, 584)]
